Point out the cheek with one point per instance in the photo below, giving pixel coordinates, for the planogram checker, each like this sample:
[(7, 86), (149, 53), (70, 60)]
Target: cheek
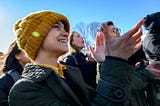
[(78, 43), (27, 60), (49, 44), (113, 35)]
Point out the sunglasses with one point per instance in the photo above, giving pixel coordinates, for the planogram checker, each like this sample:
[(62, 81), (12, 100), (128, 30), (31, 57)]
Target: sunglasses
[(116, 30)]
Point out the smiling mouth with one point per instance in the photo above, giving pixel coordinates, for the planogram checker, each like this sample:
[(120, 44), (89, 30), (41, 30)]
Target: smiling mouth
[(63, 40)]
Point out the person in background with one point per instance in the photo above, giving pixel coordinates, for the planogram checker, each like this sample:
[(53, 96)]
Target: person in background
[(151, 41), (144, 73), (12, 67), (1, 53), (151, 47), (1, 62), (113, 33), (76, 58), (45, 82), (112, 30)]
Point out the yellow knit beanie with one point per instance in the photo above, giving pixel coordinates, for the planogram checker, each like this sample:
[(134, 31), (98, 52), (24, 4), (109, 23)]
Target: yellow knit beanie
[(32, 29)]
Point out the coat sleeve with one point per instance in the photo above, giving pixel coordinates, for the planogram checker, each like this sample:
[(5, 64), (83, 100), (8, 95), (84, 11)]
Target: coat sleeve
[(6, 83), (141, 78), (114, 83)]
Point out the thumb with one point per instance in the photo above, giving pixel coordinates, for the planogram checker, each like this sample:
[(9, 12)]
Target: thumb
[(91, 49)]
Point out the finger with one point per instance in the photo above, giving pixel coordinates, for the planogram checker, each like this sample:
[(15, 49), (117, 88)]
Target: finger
[(156, 64), (156, 71), (136, 43), (102, 39), (134, 29), (137, 35), (157, 76), (136, 38), (137, 26), (97, 40), (91, 49), (134, 48), (138, 46), (105, 31)]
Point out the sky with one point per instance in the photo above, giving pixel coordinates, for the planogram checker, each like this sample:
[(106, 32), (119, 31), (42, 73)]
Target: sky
[(124, 13)]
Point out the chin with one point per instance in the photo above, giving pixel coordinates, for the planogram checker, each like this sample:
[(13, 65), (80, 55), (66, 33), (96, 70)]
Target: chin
[(65, 50)]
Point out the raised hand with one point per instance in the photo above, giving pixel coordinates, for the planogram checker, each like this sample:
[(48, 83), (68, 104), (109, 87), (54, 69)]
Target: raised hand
[(154, 68), (90, 57), (98, 52), (125, 45)]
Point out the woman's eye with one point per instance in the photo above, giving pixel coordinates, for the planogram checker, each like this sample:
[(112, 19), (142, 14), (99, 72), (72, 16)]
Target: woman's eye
[(56, 26), (78, 36)]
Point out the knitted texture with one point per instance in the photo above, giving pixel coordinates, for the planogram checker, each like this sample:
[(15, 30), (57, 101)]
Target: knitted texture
[(32, 29)]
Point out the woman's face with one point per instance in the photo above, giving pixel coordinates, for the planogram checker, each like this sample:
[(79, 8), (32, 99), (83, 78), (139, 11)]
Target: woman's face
[(22, 59), (78, 41), (56, 40)]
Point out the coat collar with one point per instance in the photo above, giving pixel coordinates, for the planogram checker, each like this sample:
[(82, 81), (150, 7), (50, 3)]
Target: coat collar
[(58, 86)]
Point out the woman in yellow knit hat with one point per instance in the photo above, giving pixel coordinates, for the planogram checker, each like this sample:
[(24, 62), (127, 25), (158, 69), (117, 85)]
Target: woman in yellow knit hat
[(43, 36)]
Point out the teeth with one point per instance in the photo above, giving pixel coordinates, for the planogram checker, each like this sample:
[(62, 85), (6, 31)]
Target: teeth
[(63, 40)]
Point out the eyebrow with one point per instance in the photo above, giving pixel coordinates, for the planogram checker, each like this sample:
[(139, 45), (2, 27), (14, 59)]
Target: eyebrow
[(57, 23)]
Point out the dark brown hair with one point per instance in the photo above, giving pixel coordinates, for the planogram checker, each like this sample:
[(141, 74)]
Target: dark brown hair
[(10, 62)]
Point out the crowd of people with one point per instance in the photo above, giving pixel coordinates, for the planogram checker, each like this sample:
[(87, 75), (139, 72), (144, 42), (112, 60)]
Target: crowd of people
[(45, 64)]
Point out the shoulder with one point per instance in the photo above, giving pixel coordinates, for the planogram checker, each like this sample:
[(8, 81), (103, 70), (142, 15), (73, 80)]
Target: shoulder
[(69, 57), (70, 60), (6, 79), (36, 73)]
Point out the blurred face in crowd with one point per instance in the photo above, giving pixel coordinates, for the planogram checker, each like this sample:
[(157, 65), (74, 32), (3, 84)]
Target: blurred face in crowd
[(22, 59), (78, 41), (113, 31)]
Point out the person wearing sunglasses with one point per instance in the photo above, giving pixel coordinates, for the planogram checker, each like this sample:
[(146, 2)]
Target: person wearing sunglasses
[(113, 31), (143, 73)]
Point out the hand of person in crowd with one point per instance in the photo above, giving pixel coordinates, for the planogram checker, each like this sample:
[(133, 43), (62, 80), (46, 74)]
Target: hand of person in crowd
[(98, 52), (90, 58), (125, 45), (138, 64), (154, 68)]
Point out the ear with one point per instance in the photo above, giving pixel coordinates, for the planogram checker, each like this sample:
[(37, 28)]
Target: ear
[(18, 56), (73, 43)]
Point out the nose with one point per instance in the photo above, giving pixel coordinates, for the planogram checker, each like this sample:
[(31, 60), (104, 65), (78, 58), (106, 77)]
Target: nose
[(65, 33), (82, 37), (118, 34)]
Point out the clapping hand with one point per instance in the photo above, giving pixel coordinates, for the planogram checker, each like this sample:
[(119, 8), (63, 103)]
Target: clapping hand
[(98, 52), (154, 68), (125, 45)]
